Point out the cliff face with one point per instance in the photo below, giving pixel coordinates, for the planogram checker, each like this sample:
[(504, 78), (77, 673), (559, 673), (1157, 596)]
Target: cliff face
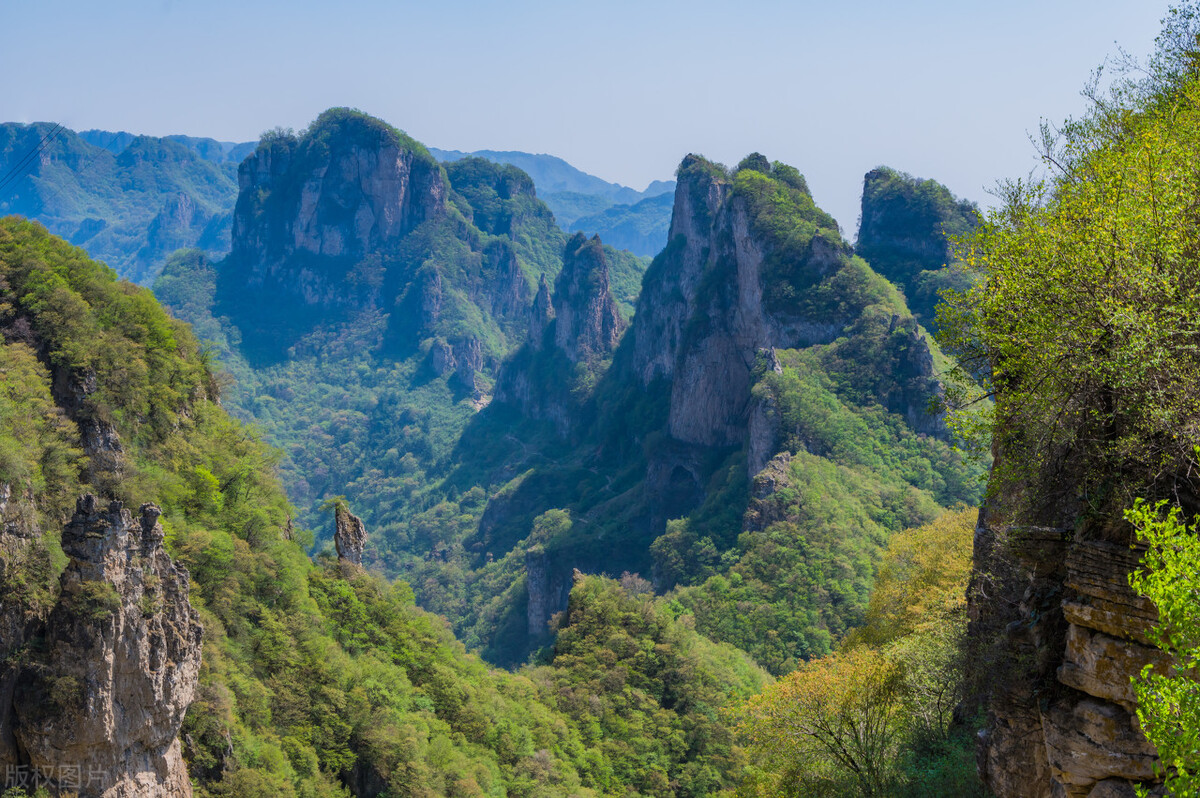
[(587, 324), (906, 235), (578, 324), (709, 315), (350, 535), (97, 705), (753, 269), (1069, 634), (348, 191)]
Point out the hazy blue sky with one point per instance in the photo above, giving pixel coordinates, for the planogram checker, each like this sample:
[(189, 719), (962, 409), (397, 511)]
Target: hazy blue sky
[(620, 88)]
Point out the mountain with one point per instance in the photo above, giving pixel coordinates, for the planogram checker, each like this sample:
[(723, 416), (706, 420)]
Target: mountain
[(640, 228), (424, 340), (206, 148), (574, 196), (130, 200), (906, 233), (190, 646), (363, 270), (765, 366), (555, 176)]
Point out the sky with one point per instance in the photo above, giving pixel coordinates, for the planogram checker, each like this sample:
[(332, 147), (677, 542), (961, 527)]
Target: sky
[(622, 89)]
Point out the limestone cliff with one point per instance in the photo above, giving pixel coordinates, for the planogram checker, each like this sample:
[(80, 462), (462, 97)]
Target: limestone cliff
[(354, 187), (906, 234), (726, 293), (578, 325), (350, 535), (352, 231), (541, 314), (752, 269), (587, 324), (95, 707), (1058, 633)]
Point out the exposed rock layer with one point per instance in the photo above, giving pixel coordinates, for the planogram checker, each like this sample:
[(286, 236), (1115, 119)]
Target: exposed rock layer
[(98, 708), (350, 535), (1071, 634)]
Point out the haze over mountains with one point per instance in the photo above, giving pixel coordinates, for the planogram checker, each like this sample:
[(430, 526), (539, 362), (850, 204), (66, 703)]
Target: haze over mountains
[(430, 346), (511, 411), (132, 200), (333, 465)]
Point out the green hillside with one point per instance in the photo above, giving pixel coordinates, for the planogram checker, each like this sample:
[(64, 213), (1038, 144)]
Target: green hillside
[(318, 678), (130, 200)]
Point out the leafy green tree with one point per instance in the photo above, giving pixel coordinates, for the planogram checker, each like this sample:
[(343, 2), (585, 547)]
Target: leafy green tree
[(876, 717), (834, 724), (1084, 326), (1169, 703)]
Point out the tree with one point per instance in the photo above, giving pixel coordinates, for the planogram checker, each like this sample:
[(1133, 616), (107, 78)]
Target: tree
[(832, 723), (1086, 326), (1169, 703)]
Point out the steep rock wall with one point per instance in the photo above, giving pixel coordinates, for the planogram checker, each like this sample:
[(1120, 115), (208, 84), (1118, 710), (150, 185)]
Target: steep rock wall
[(1062, 633), (97, 707)]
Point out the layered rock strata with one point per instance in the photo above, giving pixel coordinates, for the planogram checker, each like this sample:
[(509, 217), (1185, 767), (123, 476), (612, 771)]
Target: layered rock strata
[(1071, 633)]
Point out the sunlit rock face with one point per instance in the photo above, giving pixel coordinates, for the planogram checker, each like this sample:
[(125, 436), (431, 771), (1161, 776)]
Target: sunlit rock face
[(98, 710)]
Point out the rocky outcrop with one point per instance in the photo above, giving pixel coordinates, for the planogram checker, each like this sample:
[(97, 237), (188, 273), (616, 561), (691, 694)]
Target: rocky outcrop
[(350, 186), (107, 461), (579, 324), (320, 219), (99, 707), (708, 320), (1066, 634), (548, 585), (350, 535), (587, 324), (668, 297), (461, 361), (906, 232), (503, 292), (541, 314)]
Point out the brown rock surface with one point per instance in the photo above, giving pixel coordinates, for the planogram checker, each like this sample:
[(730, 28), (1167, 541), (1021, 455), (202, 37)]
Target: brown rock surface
[(1074, 636), (586, 321)]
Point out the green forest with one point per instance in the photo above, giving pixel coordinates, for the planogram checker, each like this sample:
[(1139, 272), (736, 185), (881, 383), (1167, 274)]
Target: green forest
[(459, 503)]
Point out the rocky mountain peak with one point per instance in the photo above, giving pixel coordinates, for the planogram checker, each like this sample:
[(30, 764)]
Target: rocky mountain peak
[(350, 535), (541, 314), (318, 213), (98, 710), (908, 226), (348, 185), (587, 322)]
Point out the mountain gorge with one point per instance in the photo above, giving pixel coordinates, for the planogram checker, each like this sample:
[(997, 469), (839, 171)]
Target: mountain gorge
[(571, 457), (335, 465), (503, 428), (298, 678)]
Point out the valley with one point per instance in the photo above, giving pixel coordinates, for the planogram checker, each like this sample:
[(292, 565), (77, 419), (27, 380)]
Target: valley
[(337, 465)]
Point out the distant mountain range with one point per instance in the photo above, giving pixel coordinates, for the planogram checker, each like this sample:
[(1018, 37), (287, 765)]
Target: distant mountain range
[(625, 218), (129, 200), (132, 200)]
